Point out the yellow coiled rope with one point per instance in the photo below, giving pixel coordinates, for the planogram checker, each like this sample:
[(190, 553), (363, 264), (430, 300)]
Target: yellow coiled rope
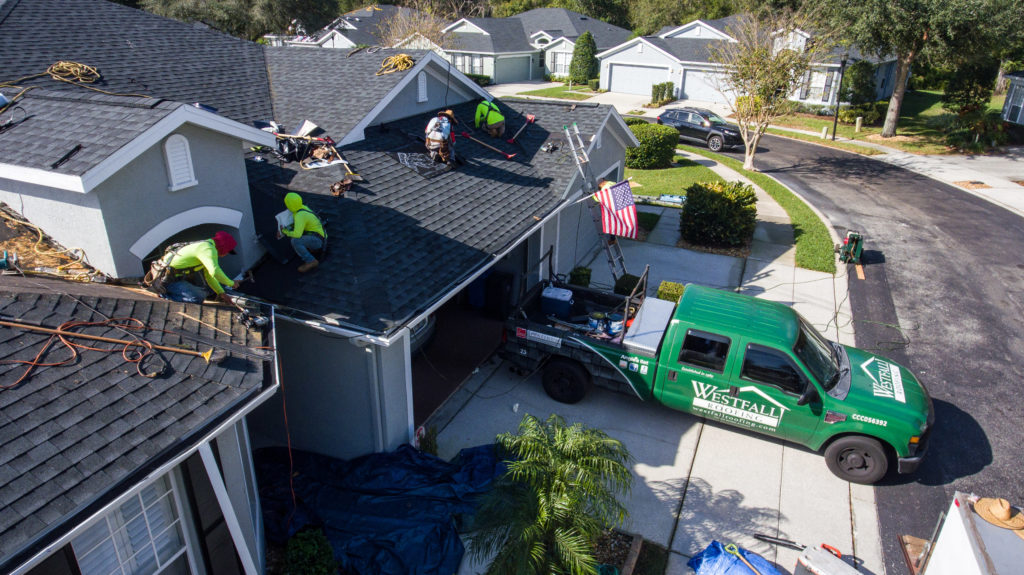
[(396, 63), (73, 73)]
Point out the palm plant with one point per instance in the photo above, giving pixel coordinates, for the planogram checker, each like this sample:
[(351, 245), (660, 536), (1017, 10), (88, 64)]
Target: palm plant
[(559, 493)]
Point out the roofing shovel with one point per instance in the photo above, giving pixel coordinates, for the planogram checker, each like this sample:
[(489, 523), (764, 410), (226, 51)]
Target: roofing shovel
[(529, 120), (488, 146)]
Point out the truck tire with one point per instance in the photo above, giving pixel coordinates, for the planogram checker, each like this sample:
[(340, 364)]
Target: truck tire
[(565, 381), (857, 459)]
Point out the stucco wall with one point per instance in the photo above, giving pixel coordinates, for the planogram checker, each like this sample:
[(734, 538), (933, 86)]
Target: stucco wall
[(136, 199), (405, 104), (395, 377)]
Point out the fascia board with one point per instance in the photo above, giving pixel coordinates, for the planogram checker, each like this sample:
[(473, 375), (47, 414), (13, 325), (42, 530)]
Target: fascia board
[(42, 178), (468, 23), (630, 43), (356, 133), (560, 40)]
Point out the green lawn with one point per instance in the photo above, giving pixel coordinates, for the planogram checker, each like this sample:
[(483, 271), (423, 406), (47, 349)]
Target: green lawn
[(919, 130), (562, 92), (846, 146), (647, 220), (671, 181), (814, 249)]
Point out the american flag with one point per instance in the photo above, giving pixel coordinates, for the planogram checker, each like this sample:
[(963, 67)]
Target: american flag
[(618, 212)]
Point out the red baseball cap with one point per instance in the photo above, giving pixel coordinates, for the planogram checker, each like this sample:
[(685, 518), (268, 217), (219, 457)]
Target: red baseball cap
[(225, 243)]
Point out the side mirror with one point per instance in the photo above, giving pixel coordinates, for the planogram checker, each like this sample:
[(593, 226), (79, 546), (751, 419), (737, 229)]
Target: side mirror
[(706, 124), (810, 394)]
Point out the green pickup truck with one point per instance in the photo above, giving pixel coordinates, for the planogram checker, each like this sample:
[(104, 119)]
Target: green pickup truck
[(732, 358)]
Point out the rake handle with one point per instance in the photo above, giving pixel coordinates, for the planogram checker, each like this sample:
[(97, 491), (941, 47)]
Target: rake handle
[(486, 145), (203, 354)]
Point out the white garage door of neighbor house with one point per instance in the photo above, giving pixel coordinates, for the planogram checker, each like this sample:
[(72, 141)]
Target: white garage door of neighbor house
[(629, 79), (512, 70), (700, 85)]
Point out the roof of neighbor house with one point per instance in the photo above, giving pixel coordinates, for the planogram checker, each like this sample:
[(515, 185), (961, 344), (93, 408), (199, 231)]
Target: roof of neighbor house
[(400, 242), (132, 50), (75, 436), (99, 123), (512, 34), (686, 49), (366, 21)]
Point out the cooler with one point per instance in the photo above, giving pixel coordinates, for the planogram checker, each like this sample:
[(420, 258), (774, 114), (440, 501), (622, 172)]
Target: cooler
[(556, 301)]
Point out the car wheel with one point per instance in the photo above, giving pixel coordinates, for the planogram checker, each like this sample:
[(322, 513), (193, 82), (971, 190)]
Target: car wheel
[(565, 381), (857, 459), (715, 143)]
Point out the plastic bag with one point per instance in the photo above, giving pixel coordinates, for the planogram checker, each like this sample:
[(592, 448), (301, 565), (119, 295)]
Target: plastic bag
[(715, 560)]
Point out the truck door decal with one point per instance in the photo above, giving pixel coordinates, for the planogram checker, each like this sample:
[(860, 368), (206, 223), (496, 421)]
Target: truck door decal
[(624, 361), (756, 414), (889, 382)]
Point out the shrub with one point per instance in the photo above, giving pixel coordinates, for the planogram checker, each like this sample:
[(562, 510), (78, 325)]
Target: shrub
[(977, 131), (309, 553), (662, 93), (584, 65), (718, 214), (480, 79), (872, 112), (625, 284), (670, 291), (656, 149), (594, 84), (580, 276), (633, 121), (858, 85)]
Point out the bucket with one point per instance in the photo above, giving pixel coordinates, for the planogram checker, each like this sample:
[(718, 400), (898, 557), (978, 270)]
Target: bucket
[(614, 323), (596, 321)]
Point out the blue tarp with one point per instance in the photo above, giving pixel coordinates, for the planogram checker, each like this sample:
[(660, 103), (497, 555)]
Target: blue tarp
[(715, 560), (384, 513)]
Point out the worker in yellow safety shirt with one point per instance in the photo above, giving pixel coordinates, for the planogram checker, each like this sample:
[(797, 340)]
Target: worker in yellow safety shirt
[(307, 233), (488, 114), (190, 262)]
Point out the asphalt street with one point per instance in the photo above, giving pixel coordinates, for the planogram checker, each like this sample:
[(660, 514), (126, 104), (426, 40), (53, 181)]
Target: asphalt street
[(943, 294)]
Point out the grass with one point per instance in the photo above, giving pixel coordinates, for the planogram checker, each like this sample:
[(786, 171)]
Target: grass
[(671, 181), (846, 146), (647, 220), (562, 92), (814, 249), (919, 130)]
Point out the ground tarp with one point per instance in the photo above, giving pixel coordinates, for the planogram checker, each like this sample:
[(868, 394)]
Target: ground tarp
[(384, 513)]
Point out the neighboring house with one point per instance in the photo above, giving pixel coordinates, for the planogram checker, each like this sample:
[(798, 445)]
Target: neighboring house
[(108, 468), (401, 245), (356, 28), (1013, 107), (683, 55), (526, 46)]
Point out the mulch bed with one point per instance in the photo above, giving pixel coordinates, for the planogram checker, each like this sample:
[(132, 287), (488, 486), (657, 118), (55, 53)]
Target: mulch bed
[(612, 548), (736, 252)]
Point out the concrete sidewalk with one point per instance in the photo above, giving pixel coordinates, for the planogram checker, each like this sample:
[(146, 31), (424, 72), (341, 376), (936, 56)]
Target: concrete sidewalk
[(695, 481)]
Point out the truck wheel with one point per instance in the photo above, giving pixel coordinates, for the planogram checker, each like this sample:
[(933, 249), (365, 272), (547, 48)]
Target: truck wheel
[(857, 459), (565, 381)]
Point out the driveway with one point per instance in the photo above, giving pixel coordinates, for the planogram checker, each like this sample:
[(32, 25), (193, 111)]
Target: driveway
[(624, 104), (943, 293)]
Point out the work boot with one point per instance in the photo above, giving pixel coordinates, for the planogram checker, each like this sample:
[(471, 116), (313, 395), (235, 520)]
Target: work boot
[(308, 266)]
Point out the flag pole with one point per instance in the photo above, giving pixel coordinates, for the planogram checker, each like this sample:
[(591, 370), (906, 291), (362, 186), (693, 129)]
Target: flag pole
[(591, 195)]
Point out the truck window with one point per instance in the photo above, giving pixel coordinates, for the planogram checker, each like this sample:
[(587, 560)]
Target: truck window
[(772, 367), (705, 350)]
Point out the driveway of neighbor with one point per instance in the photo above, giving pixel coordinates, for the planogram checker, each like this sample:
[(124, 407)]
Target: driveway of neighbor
[(625, 104), (694, 480)]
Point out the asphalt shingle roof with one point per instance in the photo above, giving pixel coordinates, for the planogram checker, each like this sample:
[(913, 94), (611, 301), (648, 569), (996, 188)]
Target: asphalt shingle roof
[(503, 35), (512, 34), (686, 49), (400, 242), (73, 437), (55, 122), (135, 53)]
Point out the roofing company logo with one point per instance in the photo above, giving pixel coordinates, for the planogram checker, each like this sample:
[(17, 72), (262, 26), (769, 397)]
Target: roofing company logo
[(889, 382), (761, 412)]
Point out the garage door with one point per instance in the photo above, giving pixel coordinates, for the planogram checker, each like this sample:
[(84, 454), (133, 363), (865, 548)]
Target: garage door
[(515, 69), (700, 85), (629, 79)]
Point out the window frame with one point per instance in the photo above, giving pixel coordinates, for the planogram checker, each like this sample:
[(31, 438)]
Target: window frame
[(714, 337), (804, 379)]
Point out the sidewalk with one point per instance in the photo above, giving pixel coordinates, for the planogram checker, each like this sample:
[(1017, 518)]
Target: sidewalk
[(696, 481), (991, 177)]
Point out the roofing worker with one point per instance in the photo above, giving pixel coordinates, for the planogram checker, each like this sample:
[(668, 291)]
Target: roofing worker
[(440, 141), (307, 233), (488, 114), (194, 264)]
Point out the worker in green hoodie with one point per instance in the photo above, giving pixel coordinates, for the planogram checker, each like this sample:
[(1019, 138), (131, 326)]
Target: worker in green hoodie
[(191, 265), (488, 114), (307, 232)]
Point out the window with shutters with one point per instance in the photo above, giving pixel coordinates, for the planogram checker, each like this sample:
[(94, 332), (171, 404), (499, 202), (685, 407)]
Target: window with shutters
[(421, 86), (180, 172), (826, 94), (144, 535)]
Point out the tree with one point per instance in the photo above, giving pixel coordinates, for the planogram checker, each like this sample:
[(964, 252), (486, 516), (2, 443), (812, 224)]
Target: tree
[(858, 86), (558, 495), (648, 16), (909, 29), (763, 67), (969, 89), (248, 19), (422, 20), (584, 65)]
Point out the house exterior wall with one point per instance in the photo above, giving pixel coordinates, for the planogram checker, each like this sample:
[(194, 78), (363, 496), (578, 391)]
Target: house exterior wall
[(136, 199), (648, 57), (463, 62), (551, 61), (405, 103), (394, 372), (885, 75), (1013, 107)]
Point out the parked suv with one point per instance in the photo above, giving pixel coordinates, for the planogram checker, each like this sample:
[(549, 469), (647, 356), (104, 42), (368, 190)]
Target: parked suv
[(702, 125)]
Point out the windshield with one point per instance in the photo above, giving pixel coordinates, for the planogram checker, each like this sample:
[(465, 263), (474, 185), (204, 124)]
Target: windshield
[(817, 355), (716, 119)]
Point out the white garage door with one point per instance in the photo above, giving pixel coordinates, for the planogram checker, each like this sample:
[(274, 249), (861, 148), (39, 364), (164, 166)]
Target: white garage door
[(629, 79), (701, 85), (515, 69)]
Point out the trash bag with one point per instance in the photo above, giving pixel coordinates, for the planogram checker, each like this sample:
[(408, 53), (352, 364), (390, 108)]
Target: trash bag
[(715, 560)]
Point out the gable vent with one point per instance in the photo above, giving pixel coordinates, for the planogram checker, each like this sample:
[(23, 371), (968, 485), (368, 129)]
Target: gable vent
[(421, 85), (180, 172)]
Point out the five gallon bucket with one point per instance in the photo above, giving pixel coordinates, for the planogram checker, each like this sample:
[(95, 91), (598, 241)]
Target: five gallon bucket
[(614, 324)]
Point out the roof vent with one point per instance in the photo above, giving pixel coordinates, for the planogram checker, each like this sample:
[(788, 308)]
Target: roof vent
[(583, 18)]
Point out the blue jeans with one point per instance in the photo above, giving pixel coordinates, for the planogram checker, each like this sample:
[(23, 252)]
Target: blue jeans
[(185, 291), (305, 244)]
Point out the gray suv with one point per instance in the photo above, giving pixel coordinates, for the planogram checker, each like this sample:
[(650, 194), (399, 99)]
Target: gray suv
[(702, 125)]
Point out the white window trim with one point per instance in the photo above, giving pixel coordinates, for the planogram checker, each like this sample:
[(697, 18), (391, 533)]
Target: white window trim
[(421, 87), (185, 182)]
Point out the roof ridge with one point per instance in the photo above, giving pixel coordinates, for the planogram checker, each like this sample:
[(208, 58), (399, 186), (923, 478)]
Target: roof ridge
[(101, 98)]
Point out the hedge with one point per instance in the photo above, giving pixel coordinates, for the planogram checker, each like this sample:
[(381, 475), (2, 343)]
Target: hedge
[(480, 79), (656, 149), (670, 291), (718, 214)]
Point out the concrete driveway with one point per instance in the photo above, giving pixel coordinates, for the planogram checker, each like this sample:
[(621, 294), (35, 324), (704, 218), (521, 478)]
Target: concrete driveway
[(631, 104)]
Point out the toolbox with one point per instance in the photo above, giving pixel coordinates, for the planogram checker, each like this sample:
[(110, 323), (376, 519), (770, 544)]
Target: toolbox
[(556, 301), (819, 561)]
